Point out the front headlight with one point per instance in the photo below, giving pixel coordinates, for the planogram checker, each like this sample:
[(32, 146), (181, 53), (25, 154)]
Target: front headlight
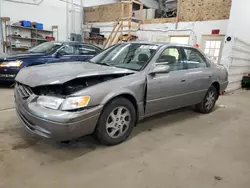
[(73, 103), (17, 63), (70, 103), (50, 102)]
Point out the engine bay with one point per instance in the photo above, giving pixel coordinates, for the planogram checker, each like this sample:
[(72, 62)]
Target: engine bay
[(73, 86)]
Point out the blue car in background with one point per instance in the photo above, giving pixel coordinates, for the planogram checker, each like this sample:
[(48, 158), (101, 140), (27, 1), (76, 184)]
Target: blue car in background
[(48, 52)]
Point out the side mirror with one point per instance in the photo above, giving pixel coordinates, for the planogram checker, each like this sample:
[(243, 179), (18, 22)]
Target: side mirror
[(160, 69)]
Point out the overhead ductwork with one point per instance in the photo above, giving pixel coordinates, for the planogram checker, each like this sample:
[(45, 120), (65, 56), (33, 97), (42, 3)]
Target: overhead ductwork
[(167, 8), (34, 2)]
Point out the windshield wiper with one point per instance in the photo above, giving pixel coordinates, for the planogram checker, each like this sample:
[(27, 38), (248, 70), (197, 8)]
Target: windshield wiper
[(127, 68), (91, 61), (105, 63)]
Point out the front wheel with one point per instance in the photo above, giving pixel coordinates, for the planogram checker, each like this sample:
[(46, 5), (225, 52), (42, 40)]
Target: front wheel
[(208, 103), (116, 122)]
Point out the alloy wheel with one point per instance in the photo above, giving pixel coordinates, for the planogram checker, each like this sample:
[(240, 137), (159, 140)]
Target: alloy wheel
[(118, 122), (210, 100)]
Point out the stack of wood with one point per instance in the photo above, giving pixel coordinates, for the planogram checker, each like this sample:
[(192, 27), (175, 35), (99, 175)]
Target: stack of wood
[(126, 20)]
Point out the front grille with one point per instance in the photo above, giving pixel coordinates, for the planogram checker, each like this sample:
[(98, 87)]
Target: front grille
[(24, 91)]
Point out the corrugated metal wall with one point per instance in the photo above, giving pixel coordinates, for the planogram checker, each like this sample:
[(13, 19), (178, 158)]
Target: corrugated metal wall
[(239, 64)]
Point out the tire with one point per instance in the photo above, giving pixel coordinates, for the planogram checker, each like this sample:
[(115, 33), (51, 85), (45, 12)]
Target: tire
[(205, 107), (116, 122)]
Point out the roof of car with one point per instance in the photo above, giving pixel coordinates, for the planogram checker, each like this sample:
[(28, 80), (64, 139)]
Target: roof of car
[(75, 42), (160, 43), (69, 42)]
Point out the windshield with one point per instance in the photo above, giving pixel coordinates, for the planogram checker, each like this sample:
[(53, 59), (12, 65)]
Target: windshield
[(128, 56), (47, 47)]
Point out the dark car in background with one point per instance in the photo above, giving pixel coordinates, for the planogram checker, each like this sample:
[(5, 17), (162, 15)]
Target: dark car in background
[(49, 52)]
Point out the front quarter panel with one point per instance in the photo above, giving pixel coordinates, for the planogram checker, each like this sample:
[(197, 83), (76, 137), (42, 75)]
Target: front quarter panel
[(33, 61), (102, 93)]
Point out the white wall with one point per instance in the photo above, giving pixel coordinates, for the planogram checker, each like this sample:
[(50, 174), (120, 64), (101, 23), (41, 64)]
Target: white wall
[(49, 12), (236, 53), (194, 29), (238, 22), (1, 39)]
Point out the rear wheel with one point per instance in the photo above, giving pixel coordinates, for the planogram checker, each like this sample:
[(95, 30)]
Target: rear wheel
[(208, 103), (116, 122)]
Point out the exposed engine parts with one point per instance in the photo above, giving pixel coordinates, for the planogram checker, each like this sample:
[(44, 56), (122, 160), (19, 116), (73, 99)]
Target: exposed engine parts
[(73, 86)]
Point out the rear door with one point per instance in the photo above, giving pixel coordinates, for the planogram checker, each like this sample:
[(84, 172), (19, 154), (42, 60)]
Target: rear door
[(86, 52), (199, 75)]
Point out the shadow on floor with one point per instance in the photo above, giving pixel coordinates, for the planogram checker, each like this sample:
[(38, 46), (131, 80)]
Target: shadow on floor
[(6, 85), (165, 119), (79, 147)]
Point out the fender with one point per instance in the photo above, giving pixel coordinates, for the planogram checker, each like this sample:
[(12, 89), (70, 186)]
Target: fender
[(116, 93)]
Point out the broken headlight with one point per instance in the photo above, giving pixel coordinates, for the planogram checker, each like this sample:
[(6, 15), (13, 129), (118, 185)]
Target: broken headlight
[(73, 103), (50, 102), (70, 103)]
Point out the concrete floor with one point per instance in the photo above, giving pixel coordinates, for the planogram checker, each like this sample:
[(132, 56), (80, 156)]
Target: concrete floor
[(181, 149)]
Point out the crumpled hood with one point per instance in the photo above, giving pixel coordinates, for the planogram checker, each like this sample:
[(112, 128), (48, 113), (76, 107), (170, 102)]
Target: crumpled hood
[(21, 56), (59, 73)]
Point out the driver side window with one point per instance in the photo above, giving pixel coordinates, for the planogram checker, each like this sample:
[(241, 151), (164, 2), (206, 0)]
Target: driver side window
[(172, 57), (69, 50), (141, 52)]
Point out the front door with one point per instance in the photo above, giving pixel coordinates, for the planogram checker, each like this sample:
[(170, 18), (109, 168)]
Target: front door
[(68, 53), (167, 91)]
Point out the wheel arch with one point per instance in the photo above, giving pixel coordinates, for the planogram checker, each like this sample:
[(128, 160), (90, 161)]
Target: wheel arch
[(127, 95), (217, 86)]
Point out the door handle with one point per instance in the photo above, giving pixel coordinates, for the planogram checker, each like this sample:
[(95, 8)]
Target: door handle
[(183, 80)]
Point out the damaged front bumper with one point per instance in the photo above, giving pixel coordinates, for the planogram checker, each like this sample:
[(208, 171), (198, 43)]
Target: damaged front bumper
[(55, 124)]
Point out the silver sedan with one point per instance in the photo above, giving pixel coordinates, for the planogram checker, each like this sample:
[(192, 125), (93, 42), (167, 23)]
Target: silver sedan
[(109, 94)]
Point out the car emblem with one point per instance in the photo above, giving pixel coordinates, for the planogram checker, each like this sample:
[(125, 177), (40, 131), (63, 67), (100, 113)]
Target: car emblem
[(5, 70)]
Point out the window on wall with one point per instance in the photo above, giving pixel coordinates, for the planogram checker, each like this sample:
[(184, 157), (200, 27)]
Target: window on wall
[(212, 50), (179, 39), (212, 47), (159, 38)]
